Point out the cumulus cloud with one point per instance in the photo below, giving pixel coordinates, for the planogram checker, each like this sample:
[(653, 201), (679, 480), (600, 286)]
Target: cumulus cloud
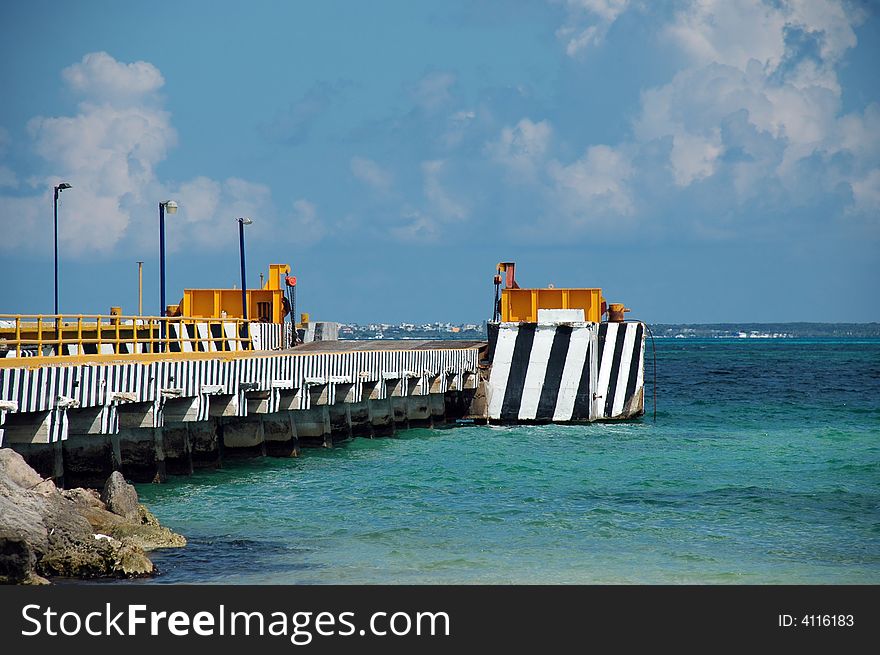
[(434, 90), (208, 210), (866, 195), (418, 228), (101, 78), (439, 199), (371, 174), (304, 222), (522, 148), (755, 109), (594, 186), (109, 150), (772, 67), (588, 23)]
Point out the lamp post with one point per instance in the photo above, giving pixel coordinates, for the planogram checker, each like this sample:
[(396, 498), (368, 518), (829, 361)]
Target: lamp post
[(58, 189), (171, 207), (140, 288), (241, 223)]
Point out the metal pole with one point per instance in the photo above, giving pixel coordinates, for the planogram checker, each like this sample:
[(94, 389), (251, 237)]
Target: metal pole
[(244, 312), (56, 250), (162, 267), (140, 288)]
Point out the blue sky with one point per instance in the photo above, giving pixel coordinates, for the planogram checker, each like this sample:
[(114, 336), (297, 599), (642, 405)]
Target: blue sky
[(701, 161)]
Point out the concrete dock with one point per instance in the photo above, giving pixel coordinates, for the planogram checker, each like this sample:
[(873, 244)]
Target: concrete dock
[(150, 416)]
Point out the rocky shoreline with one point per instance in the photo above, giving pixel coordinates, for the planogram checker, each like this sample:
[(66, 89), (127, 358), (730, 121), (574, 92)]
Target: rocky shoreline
[(78, 533)]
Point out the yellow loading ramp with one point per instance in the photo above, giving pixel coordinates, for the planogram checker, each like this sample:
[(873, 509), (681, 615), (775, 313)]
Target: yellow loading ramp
[(522, 305), (266, 304)]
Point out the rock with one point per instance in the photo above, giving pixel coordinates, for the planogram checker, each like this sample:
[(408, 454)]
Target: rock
[(147, 534), (131, 561), (145, 531), (14, 469), (47, 532), (120, 497), (17, 558), (83, 497), (20, 514)]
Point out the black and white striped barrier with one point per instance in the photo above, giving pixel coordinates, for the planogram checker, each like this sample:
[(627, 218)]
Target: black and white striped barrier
[(566, 372), (138, 394)]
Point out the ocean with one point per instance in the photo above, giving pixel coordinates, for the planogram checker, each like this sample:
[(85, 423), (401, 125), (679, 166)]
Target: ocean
[(763, 467)]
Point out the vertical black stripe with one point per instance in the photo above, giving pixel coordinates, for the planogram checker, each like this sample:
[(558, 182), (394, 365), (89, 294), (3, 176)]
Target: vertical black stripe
[(553, 376), (615, 369), (634, 363), (519, 366), (583, 399), (603, 332), (192, 333)]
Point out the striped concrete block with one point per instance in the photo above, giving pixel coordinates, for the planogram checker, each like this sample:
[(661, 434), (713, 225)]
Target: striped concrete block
[(566, 372), (620, 387), (543, 372)]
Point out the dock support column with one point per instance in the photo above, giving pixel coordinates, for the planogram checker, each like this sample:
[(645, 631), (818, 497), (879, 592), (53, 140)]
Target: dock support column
[(243, 437), (382, 417), (438, 408), (142, 454), (204, 444), (279, 431), (178, 449), (340, 410), (313, 427)]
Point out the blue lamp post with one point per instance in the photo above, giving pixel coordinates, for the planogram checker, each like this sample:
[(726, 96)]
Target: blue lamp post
[(171, 207), (241, 223), (58, 189)]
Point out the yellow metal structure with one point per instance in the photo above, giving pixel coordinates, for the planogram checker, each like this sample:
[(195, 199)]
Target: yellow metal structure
[(522, 305), (43, 337), (518, 305), (266, 304)]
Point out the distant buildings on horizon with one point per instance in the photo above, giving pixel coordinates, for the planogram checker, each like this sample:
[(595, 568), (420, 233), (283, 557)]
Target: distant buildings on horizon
[(477, 331)]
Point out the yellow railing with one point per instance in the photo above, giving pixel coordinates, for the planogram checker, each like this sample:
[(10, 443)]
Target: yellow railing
[(46, 335)]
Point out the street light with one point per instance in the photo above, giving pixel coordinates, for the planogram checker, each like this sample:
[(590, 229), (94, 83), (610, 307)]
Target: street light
[(241, 223), (58, 189), (171, 207)]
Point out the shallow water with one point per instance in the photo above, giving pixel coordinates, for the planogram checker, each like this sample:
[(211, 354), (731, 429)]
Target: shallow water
[(763, 467)]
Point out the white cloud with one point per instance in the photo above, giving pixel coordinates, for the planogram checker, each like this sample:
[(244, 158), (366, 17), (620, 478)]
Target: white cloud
[(109, 151), (103, 79), (771, 68), (588, 22), (730, 32), (457, 126), (439, 199), (434, 90), (371, 174), (304, 222), (694, 157), (522, 148), (594, 186), (418, 229), (866, 195), (8, 178), (208, 210)]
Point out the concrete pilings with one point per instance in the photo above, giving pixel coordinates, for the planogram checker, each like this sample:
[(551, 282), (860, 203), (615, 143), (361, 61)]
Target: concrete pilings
[(144, 453)]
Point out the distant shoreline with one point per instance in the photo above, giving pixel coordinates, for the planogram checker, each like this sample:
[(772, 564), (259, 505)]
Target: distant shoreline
[(732, 331)]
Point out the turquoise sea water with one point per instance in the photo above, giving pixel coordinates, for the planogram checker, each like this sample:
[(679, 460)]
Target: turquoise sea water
[(763, 467)]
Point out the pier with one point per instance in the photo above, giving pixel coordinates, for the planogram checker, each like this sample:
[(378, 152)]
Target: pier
[(152, 414), (217, 378)]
